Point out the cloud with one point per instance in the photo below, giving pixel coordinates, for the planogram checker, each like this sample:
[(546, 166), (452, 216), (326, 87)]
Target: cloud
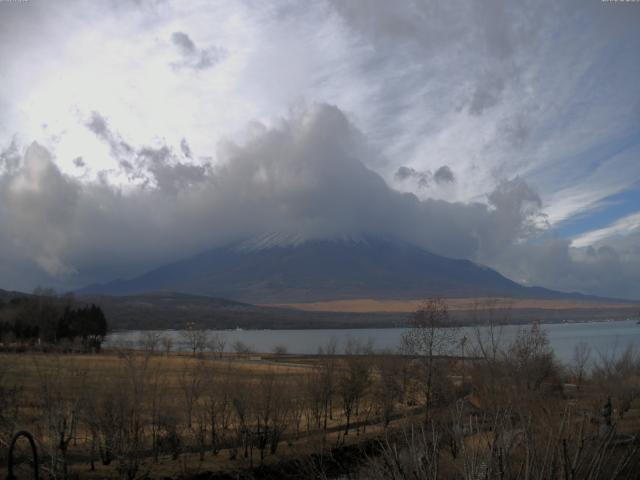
[(620, 228), (184, 43), (486, 95), (149, 165), (303, 177), (423, 179), (9, 157), (186, 150), (99, 126), (493, 91), (444, 175), (192, 57), (37, 205), (606, 270), (477, 88)]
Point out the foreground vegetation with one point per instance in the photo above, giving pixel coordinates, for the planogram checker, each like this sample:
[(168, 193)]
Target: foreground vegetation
[(443, 407)]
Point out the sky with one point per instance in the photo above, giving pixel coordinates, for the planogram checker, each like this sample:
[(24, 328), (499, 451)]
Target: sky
[(136, 133)]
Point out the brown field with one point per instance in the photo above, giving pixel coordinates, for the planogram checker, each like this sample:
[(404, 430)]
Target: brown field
[(371, 305), (50, 388), (157, 413)]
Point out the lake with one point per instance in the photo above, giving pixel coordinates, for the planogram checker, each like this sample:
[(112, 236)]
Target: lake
[(603, 337)]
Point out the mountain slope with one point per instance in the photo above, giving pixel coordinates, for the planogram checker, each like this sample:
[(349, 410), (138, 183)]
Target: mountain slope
[(7, 295), (277, 271)]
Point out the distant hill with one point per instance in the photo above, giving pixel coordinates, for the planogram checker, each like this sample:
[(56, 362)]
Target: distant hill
[(277, 269), (6, 295), (174, 310), (169, 310)]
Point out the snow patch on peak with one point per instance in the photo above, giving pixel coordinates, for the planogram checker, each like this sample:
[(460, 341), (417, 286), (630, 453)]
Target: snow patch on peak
[(270, 240), (291, 240)]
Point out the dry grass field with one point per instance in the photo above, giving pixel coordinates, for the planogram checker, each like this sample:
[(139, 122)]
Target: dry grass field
[(58, 396), (132, 415), (371, 305)]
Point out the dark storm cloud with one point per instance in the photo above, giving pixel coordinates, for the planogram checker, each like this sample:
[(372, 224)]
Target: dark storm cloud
[(423, 179), (184, 43), (149, 165), (127, 166), (10, 157), (444, 175), (99, 125), (169, 174), (37, 204)]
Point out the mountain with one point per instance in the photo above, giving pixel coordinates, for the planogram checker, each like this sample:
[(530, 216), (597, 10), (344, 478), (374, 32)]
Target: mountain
[(278, 269), (7, 295)]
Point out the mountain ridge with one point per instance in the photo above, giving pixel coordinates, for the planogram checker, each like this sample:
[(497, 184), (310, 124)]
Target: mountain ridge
[(287, 269)]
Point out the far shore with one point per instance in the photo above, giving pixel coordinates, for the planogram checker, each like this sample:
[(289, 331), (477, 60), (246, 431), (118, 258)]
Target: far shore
[(372, 305)]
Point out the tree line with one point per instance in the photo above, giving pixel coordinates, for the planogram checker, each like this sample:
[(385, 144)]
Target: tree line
[(47, 319)]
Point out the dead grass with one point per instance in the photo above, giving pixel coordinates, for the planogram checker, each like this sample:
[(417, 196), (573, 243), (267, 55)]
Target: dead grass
[(28, 370), (371, 305)]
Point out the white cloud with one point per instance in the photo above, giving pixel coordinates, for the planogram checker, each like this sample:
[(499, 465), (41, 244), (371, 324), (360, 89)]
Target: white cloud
[(620, 228)]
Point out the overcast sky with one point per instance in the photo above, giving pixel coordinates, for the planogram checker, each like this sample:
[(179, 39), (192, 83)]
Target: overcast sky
[(136, 133)]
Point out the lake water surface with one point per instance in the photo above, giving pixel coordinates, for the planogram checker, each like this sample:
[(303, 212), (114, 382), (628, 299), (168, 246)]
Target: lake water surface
[(603, 337)]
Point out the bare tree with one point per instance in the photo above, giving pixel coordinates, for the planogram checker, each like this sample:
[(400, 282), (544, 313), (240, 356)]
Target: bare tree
[(241, 401), (563, 450), (282, 405), (280, 350), (298, 403), (354, 380), (195, 337), (218, 403), (327, 379), (314, 393), (264, 409), (128, 411), (191, 380), (488, 345), (580, 362), (387, 389), (430, 336), (242, 348), (617, 374), (10, 399), (217, 343), (167, 344), (531, 358), (156, 405), (62, 392), (149, 341)]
